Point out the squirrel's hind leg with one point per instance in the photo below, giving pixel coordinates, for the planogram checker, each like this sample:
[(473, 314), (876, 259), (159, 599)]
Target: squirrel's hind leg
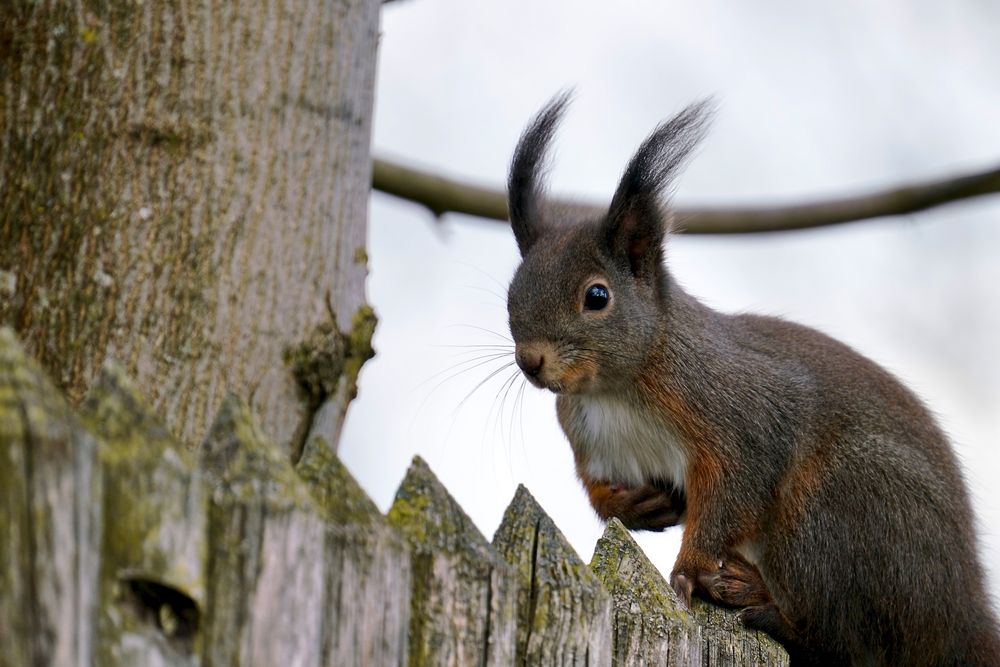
[(768, 618), (736, 583)]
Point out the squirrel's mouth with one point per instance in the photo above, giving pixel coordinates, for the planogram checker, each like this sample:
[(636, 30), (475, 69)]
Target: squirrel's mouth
[(546, 366), (568, 384), (555, 388), (536, 381)]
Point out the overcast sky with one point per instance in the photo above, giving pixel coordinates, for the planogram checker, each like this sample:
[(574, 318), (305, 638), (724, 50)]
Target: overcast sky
[(814, 100)]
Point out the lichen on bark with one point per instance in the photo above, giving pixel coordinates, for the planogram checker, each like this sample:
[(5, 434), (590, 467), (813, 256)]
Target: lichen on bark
[(326, 365)]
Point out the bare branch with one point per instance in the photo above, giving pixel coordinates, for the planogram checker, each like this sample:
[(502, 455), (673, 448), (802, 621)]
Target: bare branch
[(445, 195)]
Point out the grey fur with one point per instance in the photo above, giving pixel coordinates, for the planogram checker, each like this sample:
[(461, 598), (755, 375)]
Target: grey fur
[(833, 475)]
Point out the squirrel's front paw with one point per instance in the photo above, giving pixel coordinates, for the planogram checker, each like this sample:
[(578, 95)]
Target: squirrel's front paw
[(647, 507)]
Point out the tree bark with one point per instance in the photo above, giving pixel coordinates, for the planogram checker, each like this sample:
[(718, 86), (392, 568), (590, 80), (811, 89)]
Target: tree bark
[(183, 187)]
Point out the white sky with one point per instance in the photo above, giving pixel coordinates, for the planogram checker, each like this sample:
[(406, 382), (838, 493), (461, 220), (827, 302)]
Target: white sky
[(814, 99)]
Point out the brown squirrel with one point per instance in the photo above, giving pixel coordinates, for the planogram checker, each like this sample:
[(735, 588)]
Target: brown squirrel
[(816, 492)]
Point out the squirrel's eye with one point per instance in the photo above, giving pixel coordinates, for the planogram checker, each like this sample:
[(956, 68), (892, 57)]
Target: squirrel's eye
[(597, 297)]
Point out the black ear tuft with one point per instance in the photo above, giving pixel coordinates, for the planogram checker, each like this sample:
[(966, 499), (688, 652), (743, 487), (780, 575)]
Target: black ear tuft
[(635, 224), (525, 188)]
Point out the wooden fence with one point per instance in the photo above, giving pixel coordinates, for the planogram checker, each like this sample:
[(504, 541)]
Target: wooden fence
[(122, 547)]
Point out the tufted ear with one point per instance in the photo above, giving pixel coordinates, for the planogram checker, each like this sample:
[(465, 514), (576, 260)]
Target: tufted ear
[(525, 187), (636, 225)]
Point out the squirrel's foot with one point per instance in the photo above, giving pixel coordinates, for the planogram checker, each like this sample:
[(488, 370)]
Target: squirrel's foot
[(734, 583), (689, 570), (738, 583), (683, 585)]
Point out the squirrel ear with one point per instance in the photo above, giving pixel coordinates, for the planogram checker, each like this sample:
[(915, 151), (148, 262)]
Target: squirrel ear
[(525, 188), (636, 224)]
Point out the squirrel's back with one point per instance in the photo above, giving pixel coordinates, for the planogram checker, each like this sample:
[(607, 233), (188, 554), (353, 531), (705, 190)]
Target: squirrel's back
[(870, 541)]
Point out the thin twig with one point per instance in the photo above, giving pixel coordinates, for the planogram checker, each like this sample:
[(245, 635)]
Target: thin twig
[(446, 195)]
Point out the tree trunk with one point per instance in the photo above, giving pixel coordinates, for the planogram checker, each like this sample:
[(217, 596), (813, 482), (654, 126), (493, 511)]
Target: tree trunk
[(183, 188)]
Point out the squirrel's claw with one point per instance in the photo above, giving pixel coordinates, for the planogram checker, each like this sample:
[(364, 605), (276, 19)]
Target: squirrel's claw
[(683, 586), (736, 583)]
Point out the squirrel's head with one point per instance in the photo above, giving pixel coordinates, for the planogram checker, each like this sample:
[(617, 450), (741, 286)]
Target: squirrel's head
[(586, 304)]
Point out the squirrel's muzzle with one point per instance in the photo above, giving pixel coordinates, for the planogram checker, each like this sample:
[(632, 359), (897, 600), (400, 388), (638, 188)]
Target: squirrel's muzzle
[(530, 360)]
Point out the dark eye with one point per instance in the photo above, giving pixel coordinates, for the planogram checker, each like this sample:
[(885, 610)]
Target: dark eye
[(597, 297)]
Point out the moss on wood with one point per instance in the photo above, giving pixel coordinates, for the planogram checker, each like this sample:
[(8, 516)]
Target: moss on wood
[(462, 607), (563, 611), (367, 579), (652, 626), (154, 551), (341, 498), (266, 545)]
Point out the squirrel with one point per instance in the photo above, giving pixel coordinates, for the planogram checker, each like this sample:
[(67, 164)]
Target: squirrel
[(816, 492)]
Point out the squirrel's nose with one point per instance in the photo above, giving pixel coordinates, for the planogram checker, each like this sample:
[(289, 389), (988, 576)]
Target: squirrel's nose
[(530, 361)]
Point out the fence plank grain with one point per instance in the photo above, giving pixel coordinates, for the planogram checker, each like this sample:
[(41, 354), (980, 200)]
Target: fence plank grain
[(153, 552), (726, 643), (463, 591), (652, 627), (366, 605), (266, 561), (50, 520), (563, 611)]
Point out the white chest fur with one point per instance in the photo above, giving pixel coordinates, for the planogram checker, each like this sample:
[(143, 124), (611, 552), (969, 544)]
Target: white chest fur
[(626, 444)]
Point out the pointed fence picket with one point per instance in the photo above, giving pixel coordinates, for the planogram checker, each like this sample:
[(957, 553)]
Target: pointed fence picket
[(123, 547)]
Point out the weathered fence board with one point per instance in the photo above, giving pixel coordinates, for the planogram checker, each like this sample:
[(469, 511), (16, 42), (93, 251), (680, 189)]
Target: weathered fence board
[(652, 627), (50, 520), (118, 546), (463, 591), (563, 611), (366, 607), (153, 551), (726, 643), (266, 537)]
